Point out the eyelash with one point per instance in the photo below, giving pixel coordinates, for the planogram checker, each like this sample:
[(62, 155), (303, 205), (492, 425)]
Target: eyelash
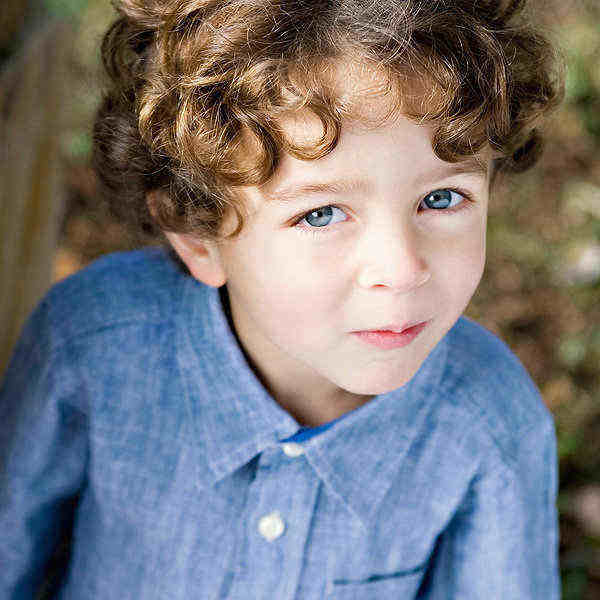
[(317, 231)]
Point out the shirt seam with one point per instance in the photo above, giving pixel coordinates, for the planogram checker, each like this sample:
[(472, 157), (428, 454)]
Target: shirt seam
[(508, 459), (53, 347)]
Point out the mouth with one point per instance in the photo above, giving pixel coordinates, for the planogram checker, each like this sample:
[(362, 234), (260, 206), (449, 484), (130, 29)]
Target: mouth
[(391, 336)]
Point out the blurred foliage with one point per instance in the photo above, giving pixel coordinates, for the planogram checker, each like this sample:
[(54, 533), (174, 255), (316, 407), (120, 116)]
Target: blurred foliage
[(541, 290), (583, 77), (65, 8)]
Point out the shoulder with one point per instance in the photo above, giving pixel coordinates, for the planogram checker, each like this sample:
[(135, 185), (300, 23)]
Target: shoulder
[(486, 384), (119, 288)]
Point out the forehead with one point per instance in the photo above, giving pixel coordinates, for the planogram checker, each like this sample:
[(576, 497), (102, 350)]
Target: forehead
[(368, 102), (395, 151), (364, 96)]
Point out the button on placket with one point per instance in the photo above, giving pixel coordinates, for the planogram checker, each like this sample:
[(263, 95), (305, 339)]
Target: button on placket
[(271, 526), (292, 450), (282, 496)]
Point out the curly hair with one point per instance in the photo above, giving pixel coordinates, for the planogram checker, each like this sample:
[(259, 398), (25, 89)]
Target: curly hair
[(197, 90)]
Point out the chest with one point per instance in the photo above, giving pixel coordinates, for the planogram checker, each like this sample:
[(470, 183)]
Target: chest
[(147, 527)]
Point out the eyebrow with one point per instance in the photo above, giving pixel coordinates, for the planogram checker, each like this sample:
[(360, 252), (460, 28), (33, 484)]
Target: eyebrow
[(288, 194)]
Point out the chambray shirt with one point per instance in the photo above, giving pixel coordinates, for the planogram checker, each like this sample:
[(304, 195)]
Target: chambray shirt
[(131, 420)]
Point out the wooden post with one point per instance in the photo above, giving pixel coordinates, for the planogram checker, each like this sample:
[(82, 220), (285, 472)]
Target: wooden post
[(33, 106), (12, 18)]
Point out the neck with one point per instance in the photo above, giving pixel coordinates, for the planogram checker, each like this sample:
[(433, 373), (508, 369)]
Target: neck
[(312, 411)]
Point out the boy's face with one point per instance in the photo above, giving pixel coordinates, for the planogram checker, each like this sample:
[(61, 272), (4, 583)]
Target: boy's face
[(374, 256)]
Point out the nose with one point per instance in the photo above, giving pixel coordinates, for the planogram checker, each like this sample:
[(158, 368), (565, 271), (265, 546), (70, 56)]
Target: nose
[(392, 258)]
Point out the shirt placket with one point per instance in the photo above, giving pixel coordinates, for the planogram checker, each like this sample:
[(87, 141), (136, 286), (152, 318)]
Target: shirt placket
[(277, 521)]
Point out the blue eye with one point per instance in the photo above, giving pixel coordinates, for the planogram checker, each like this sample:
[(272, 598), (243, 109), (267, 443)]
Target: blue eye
[(321, 217), (440, 199)]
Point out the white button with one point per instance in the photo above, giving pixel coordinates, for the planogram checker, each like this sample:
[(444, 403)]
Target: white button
[(292, 450), (271, 526)]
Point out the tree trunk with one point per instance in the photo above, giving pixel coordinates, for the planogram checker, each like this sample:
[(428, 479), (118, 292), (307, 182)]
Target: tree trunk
[(33, 101), (12, 18)]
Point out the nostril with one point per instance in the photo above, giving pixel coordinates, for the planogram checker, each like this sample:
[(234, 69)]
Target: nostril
[(402, 282)]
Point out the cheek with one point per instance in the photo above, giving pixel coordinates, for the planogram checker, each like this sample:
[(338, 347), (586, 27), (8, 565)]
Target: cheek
[(455, 251), (306, 298), (463, 267), (478, 253), (300, 269), (286, 287)]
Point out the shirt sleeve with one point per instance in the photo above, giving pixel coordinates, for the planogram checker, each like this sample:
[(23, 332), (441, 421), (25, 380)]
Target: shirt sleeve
[(43, 453), (503, 541)]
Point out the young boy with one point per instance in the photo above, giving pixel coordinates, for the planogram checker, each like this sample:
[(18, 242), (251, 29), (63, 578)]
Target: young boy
[(288, 403)]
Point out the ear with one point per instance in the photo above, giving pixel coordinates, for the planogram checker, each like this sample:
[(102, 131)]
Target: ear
[(201, 258)]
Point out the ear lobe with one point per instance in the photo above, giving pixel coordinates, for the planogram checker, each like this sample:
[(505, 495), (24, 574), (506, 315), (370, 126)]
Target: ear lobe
[(201, 258)]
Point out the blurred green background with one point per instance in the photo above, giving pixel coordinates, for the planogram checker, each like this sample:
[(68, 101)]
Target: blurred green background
[(541, 290)]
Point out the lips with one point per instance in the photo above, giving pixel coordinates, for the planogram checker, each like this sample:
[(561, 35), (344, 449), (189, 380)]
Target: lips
[(393, 328), (391, 336)]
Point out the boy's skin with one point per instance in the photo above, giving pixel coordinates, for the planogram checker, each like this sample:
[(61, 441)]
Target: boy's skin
[(385, 259)]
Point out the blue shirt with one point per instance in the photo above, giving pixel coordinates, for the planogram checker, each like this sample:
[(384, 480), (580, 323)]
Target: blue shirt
[(130, 414)]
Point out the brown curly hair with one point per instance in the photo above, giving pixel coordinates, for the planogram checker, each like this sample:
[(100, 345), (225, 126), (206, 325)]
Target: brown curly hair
[(197, 90)]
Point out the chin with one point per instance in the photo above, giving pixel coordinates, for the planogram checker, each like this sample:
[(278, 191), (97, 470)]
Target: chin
[(376, 388)]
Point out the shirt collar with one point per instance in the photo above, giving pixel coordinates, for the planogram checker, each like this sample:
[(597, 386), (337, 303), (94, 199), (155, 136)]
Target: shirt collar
[(234, 418)]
